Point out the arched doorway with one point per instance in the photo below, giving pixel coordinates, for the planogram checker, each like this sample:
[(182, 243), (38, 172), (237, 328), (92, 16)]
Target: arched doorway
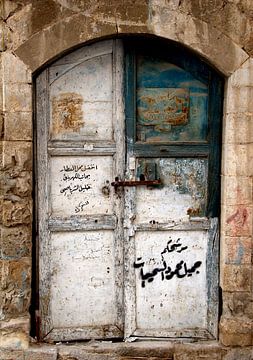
[(128, 192)]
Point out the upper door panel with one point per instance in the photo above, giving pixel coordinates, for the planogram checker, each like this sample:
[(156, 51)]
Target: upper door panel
[(172, 105), (81, 95)]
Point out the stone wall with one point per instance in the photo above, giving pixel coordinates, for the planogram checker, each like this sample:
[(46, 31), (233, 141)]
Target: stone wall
[(32, 33)]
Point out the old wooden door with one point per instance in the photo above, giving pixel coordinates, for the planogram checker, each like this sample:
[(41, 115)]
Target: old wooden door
[(173, 109), (80, 150), (128, 220)]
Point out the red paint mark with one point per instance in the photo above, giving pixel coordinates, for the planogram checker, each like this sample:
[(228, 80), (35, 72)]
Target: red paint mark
[(232, 217), (239, 218)]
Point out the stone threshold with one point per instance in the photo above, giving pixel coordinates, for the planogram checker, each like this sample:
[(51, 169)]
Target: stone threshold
[(139, 350)]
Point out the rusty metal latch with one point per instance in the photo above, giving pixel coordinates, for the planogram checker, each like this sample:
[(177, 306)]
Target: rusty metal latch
[(118, 183)]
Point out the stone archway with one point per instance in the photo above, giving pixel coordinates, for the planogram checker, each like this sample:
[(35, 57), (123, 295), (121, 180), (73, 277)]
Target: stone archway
[(29, 52)]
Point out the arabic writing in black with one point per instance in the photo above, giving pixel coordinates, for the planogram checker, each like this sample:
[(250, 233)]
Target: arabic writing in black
[(80, 188), (81, 205), (77, 176), (77, 168), (167, 273)]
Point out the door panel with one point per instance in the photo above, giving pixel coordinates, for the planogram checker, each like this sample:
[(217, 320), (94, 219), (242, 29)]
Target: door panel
[(83, 278), (80, 101), (183, 191), (172, 105), (168, 266), (80, 185), (171, 230), (80, 151)]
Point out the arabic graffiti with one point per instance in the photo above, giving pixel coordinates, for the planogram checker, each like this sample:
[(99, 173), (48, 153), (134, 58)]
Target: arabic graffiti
[(77, 168), (81, 205), (77, 179), (180, 270), (70, 189)]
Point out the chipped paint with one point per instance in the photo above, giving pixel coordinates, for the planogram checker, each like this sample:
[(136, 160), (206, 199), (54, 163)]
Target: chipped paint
[(163, 107), (171, 104), (67, 113), (183, 192)]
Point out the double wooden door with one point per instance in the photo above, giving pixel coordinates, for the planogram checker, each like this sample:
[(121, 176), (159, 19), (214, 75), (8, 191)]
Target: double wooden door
[(127, 193)]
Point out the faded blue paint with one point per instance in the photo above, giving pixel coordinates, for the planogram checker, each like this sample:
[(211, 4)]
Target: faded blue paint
[(155, 78), (184, 176), (239, 255)]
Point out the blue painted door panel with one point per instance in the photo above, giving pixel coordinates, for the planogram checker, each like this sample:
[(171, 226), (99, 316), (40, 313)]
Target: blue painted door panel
[(172, 105)]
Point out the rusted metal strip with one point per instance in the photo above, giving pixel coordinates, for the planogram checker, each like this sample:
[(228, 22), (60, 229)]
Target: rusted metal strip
[(118, 183)]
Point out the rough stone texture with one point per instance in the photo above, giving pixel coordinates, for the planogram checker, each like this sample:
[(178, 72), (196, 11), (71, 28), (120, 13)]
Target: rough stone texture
[(16, 242), (238, 304), (236, 330), (17, 212), (11, 355), (14, 70), (239, 354), (238, 250), (237, 278), (160, 18), (17, 156), (234, 18), (17, 126), (33, 33), (41, 353), (15, 287)]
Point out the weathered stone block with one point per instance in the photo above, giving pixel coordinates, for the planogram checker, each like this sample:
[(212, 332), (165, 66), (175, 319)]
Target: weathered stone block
[(238, 128), (102, 356), (244, 75), (16, 242), (239, 354), (236, 220), (2, 36), (17, 154), (59, 38), (125, 10), (14, 70), (17, 212), (236, 278), (1, 82), (17, 97), (15, 285), (237, 250), (1, 209), (237, 160), (15, 340), (232, 18), (236, 332), (16, 324), (20, 24), (237, 100), (41, 353), (236, 190), (18, 126), (238, 304), (16, 187), (194, 32), (9, 8), (202, 355), (11, 354), (1, 126), (198, 352)]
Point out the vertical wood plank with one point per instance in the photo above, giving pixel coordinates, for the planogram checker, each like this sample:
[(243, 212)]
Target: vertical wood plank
[(42, 116)]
